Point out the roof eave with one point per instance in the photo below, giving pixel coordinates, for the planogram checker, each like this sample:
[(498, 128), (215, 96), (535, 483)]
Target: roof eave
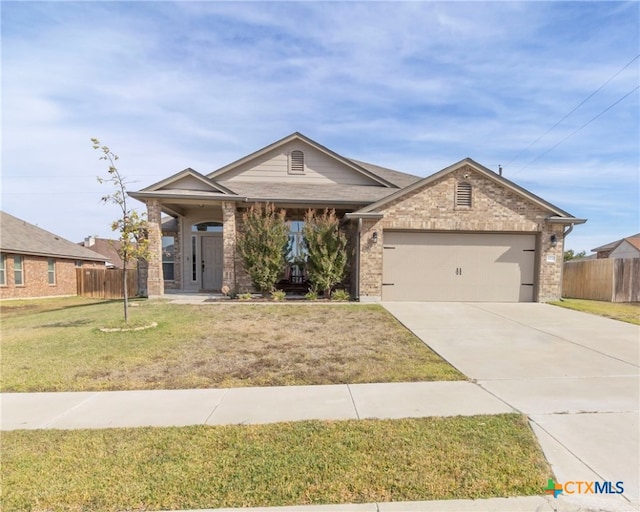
[(307, 202), (364, 215), (10, 250), (141, 196), (565, 220)]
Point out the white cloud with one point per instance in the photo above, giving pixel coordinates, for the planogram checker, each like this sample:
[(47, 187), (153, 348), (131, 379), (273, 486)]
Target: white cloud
[(414, 86)]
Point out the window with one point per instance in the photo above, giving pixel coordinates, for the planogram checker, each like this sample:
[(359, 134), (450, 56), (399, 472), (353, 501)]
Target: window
[(296, 162), (194, 261), (78, 263), (51, 270), (463, 194), (297, 252), (168, 257), (3, 269), (207, 227), (18, 271)]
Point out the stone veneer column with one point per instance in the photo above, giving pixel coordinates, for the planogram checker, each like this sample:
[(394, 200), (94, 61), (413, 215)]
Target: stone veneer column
[(551, 261), (229, 245), (155, 283), (370, 261)]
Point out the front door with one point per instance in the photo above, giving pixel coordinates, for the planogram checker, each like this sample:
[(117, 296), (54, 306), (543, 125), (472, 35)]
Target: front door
[(211, 262)]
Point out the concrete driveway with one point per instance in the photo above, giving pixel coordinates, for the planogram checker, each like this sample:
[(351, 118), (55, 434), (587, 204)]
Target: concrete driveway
[(575, 375)]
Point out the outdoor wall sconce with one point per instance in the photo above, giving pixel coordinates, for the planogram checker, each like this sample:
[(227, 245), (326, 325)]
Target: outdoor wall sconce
[(553, 240), (374, 237)]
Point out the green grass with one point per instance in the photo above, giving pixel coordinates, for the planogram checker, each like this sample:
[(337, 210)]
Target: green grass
[(56, 345), (269, 465), (623, 311)]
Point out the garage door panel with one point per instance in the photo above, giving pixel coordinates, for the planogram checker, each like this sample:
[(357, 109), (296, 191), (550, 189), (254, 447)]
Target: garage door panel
[(458, 267)]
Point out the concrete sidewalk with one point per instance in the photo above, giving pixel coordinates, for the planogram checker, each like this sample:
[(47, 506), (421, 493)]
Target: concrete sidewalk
[(113, 409)]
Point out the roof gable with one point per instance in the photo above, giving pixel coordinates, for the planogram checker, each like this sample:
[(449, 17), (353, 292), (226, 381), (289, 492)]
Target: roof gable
[(188, 179), (322, 166), (634, 240), (20, 237), (485, 172)]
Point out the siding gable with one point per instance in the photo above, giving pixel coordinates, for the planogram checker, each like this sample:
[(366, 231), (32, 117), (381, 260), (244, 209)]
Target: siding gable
[(190, 183), (319, 168)]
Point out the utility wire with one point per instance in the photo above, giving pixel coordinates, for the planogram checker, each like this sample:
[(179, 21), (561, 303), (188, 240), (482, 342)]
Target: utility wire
[(584, 125), (575, 108)]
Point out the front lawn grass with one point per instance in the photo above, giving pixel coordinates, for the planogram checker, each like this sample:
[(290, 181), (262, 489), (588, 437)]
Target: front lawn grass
[(269, 465), (623, 311), (56, 345)]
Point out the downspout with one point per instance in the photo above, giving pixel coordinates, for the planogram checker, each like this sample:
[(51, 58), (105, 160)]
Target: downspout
[(565, 233)]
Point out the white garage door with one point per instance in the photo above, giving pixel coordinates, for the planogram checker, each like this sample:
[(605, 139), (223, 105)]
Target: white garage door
[(487, 267)]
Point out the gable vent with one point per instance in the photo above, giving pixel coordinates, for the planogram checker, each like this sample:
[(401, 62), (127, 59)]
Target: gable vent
[(463, 194), (296, 164)]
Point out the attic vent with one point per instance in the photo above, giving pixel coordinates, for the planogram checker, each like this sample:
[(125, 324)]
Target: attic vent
[(463, 194), (296, 162)]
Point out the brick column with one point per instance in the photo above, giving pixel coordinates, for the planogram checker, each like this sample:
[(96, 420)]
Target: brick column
[(551, 261), (155, 282), (229, 245)]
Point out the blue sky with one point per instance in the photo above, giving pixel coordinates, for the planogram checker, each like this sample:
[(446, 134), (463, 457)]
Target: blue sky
[(414, 86)]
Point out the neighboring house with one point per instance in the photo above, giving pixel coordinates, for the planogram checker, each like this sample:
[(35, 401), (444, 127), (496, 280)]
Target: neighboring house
[(464, 233), (625, 248), (108, 248), (36, 263)]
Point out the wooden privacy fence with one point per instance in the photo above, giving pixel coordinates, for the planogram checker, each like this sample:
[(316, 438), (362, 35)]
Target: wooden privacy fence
[(105, 283), (612, 280)]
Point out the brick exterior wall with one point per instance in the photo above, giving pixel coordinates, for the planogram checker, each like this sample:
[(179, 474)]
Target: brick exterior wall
[(494, 209), (36, 278)]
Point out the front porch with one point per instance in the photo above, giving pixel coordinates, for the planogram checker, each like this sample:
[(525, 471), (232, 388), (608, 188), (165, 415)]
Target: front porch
[(195, 251)]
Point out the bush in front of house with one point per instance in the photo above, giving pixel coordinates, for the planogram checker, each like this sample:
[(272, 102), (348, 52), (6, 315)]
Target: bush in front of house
[(326, 248), (340, 295), (262, 245)]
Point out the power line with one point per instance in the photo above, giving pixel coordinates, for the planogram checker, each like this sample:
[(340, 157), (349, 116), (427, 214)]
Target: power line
[(574, 109), (576, 131)]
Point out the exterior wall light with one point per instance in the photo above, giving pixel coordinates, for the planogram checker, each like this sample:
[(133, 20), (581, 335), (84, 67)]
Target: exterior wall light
[(553, 240), (374, 237)]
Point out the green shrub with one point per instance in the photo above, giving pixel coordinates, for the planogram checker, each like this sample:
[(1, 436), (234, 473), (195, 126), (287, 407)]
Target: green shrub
[(340, 295), (245, 296), (326, 249), (278, 295), (312, 294), (263, 244)]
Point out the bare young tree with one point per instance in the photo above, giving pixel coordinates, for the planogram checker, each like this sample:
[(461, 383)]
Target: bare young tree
[(132, 226)]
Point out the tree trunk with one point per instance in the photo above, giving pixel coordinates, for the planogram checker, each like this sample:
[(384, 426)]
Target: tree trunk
[(125, 292)]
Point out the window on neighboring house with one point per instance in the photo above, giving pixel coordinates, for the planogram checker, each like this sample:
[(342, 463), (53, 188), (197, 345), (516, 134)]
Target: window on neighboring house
[(463, 194), (168, 257), (78, 263), (296, 162), (51, 270), (18, 270), (3, 269)]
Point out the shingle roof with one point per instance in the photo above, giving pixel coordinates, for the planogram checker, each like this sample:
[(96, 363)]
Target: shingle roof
[(399, 179), (282, 192), (109, 249), (19, 237), (633, 240)]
